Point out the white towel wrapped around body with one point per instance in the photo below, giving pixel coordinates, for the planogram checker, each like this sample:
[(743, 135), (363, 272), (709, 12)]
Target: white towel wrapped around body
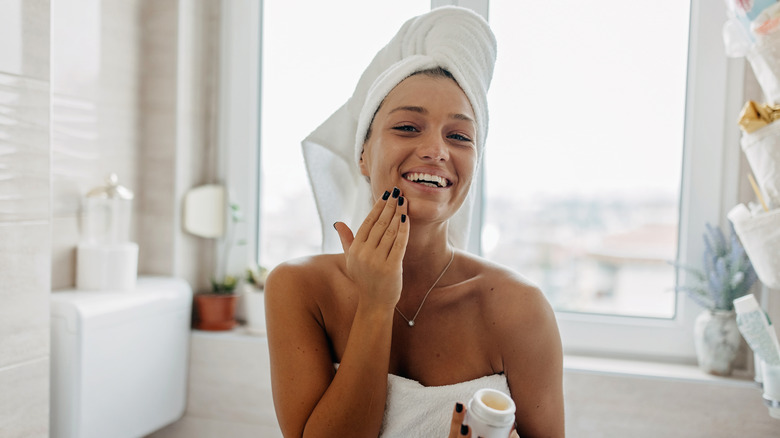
[(454, 38), (414, 410)]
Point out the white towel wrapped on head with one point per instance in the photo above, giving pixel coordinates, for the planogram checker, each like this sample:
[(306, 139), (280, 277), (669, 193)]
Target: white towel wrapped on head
[(450, 37)]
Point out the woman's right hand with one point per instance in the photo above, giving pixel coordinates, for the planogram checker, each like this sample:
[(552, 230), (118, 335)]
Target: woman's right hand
[(374, 257)]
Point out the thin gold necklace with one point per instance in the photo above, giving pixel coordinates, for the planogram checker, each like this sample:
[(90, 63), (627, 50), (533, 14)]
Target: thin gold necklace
[(411, 321)]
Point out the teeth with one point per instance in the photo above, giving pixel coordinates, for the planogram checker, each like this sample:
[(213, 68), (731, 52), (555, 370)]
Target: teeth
[(427, 179)]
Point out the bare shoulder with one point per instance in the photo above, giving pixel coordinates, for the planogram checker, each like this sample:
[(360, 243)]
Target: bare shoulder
[(508, 296), (303, 280)]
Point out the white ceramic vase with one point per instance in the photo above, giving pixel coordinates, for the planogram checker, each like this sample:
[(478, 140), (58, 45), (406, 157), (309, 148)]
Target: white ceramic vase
[(717, 340), (254, 308)]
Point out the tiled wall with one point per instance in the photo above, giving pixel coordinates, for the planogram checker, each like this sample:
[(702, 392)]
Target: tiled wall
[(133, 95), (89, 87), (177, 132), (24, 218), (94, 61)]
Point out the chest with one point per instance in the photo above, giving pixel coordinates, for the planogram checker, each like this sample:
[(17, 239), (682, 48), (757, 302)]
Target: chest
[(449, 342)]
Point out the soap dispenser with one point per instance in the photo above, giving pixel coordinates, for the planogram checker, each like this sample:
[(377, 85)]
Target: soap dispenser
[(106, 258)]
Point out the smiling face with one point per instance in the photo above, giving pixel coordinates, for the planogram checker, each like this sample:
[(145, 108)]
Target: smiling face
[(422, 140)]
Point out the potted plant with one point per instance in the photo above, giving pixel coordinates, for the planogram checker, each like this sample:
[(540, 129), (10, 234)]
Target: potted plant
[(727, 274), (216, 309), (253, 299)]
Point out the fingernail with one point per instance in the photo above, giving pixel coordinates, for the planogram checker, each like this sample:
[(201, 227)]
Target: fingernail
[(403, 219), (396, 192), (386, 195), (464, 429), (401, 201), (458, 406), (334, 226)]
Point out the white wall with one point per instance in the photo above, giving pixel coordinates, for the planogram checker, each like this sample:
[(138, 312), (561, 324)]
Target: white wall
[(102, 76), (25, 238)]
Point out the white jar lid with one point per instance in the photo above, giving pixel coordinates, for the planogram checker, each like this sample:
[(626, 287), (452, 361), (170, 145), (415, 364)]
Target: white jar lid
[(493, 407)]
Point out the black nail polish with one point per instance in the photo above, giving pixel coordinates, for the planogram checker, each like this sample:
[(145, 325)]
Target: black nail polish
[(386, 195), (403, 219), (396, 192), (464, 429), (400, 201), (334, 226), (459, 407)]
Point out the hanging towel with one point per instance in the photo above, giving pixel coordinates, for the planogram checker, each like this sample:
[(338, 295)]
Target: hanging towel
[(451, 37)]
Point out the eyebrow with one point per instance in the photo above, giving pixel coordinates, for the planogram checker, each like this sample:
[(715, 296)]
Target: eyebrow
[(421, 110)]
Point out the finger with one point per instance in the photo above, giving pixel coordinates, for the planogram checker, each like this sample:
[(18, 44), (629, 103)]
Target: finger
[(345, 235), (371, 218), (396, 235), (384, 220), (458, 415)]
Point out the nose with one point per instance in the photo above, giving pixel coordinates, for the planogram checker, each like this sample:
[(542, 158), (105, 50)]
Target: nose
[(433, 148)]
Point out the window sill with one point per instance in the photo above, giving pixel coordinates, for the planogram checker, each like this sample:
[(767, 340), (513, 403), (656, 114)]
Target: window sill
[(652, 370)]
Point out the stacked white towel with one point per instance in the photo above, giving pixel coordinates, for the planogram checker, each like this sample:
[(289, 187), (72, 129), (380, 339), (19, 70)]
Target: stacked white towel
[(450, 37)]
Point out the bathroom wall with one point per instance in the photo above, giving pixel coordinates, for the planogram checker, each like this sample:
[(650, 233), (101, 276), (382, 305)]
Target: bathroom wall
[(94, 64), (25, 242), (89, 87), (132, 94)]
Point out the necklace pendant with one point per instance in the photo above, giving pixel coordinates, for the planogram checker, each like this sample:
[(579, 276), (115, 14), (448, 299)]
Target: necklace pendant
[(411, 323)]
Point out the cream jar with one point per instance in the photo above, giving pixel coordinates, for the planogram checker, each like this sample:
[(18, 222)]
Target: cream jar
[(490, 414)]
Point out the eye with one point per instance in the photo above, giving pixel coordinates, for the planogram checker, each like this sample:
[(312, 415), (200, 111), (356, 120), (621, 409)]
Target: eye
[(406, 128), (459, 137)]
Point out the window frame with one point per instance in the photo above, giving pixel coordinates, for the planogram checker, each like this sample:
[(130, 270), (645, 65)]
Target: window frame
[(713, 93), (709, 188)]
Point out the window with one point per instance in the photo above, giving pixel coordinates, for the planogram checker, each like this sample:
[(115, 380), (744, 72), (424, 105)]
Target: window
[(305, 80), (584, 158), (607, 151)]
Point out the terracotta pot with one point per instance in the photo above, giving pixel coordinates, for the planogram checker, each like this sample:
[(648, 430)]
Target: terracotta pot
[(215, 312)]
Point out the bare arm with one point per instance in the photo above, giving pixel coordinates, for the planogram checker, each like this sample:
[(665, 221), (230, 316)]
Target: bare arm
[(533, 363), (310, 400)]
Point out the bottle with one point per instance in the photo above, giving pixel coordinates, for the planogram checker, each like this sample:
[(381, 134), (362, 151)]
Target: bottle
[(490, 414)]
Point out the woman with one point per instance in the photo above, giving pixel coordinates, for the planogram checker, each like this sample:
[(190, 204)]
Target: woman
[(385, 336)]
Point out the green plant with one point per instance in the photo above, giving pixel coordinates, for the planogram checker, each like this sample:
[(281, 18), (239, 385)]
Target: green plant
[(224, 287), (227, 283), (727, 272), (256, 275)]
